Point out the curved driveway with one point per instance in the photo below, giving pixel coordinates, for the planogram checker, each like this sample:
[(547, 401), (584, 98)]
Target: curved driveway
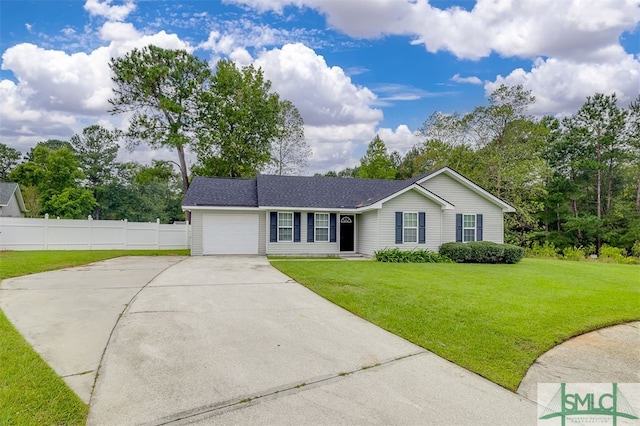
[(231, 340)]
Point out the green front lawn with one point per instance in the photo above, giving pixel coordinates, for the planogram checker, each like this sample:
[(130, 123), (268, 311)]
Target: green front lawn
[(31, 393), (492, 319)]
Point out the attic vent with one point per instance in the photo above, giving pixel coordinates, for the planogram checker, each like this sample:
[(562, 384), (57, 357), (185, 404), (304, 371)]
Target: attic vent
[(345, 219)]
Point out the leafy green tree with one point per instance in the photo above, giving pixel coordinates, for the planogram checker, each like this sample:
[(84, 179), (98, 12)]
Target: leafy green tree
[(97, 149), (57, 178), (377, 163), (144, 193), (240, 117), (9, 158), (161, 88), (289, 150)]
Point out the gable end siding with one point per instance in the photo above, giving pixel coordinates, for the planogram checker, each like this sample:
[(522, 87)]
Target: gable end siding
[(410, 201), (466, 202)]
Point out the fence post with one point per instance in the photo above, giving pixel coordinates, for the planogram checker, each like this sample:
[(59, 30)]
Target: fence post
[(46, 231), (158, 233), (126, 232), (89, 220)]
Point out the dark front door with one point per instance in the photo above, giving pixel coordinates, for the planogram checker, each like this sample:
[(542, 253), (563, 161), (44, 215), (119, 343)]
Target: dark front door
[(346, 233)]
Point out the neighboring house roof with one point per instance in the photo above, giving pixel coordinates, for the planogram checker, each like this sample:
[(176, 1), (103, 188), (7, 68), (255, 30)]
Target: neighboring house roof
[(309, 192), (7, 191)]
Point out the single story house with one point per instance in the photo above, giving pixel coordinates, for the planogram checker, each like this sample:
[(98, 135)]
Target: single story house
[(11, 201), (295, 215)]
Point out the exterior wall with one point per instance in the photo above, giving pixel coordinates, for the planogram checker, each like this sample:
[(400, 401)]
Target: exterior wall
[(12, 209), (303, 247), (469, 202), (367, 232), (196, 233), (410, 201), (262, 233)]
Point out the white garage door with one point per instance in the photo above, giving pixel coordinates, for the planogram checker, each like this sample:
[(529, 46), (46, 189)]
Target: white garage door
[(230, 234)]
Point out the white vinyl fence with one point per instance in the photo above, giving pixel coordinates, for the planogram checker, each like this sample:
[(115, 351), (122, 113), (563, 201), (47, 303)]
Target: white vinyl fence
[(89, 234)]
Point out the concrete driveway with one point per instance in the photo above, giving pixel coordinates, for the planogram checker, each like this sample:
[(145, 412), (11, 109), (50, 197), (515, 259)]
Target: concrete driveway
[(231, 340)]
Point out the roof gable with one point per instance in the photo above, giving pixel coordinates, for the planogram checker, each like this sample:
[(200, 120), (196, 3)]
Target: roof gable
[(506, 207), (7, 191)]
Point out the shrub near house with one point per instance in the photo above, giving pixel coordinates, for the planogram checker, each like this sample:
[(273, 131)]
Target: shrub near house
[(482, 252)]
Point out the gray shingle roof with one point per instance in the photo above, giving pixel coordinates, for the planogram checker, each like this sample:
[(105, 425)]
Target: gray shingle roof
[(223, 192), (6, 192), (323, 192), (291, 191)]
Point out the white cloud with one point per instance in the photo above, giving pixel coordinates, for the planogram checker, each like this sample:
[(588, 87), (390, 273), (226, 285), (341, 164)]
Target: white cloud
[(525, 28), (561, 86), (105, 9), (118, 31), (470, 80), (324, 95), (402, 139)]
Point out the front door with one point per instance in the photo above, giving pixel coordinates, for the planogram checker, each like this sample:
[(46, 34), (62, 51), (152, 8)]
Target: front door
[(347, 229)]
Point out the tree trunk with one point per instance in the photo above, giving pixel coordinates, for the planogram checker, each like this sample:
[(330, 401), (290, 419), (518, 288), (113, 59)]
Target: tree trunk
[(638, 195), (185, 178), (574, 207), (609, 186), (598, 194)]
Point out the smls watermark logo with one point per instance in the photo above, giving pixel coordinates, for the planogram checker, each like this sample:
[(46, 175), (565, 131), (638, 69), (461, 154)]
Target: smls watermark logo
[(614, 404)]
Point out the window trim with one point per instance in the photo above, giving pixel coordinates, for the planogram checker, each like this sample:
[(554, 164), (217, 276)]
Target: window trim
[(316, 227), (475, 227), (279, 226), (404, 227)]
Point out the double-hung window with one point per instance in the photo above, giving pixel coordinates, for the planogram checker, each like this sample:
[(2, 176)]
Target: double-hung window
[(468, 228), (285, 226), (410, 227), (322, 227)]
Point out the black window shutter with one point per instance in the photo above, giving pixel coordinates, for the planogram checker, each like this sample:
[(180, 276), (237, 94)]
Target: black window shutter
[(478, 227), (458, 228), (296, 227), (273, 228), (422, 232), (332, 228), (310, 228), (398, 227)]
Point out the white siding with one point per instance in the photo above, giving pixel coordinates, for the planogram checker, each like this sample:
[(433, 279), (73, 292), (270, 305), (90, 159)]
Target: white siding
[(196, 233), (469, 202), (262, 233), (367, 232), (410, 201), (303, 247), (12, 209)]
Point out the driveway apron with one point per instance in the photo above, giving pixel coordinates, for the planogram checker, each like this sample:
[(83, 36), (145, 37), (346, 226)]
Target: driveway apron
[(68, 315), (231, 340)]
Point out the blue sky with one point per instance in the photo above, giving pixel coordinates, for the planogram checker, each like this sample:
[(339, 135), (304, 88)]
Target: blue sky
[(354, 68)]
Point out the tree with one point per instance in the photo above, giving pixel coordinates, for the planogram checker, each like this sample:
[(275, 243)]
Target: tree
[(239, 119), (162, 88), (377, 163), (57, 178), (289, 150), (144, 193), (96, 149), (9, 158)]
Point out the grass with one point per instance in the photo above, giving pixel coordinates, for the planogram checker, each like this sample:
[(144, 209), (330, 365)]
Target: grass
[(31, 393), (494, 320)]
